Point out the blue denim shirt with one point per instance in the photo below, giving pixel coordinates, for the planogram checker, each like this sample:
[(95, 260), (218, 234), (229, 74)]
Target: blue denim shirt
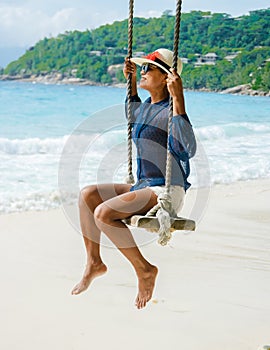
[(149, 133)]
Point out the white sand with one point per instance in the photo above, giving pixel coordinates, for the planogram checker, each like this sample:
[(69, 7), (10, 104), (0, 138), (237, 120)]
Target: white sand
[(212, 292)]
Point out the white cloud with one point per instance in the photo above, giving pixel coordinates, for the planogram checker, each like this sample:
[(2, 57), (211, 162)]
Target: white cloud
[(21, 26), (150, 13)]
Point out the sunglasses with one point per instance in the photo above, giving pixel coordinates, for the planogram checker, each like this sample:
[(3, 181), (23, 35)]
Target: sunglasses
[(147, 67)]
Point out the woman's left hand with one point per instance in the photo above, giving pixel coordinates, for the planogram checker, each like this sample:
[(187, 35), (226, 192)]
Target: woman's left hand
[(175, 88), (174, 84)]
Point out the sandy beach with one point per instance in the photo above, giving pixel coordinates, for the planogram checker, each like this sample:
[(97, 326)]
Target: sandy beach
[(212, 290)]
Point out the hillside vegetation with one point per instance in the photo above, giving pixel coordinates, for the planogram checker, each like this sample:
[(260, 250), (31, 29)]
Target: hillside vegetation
[(88, 54)]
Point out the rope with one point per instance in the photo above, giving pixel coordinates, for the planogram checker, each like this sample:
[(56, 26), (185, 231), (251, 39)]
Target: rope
[(163, 210), (175, 60), (130, 178)]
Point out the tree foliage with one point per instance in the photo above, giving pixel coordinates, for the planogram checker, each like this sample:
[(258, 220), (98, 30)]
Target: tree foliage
[(88, 54)]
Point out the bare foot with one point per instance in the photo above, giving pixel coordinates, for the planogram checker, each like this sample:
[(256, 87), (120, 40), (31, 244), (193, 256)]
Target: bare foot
[(146, 286), (91, 272)]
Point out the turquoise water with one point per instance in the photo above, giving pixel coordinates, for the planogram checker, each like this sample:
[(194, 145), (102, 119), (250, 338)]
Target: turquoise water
[(37, 121)]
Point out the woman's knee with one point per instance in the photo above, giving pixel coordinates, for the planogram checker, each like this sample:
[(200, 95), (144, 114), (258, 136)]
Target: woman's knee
[(89, 197), (103, 214)]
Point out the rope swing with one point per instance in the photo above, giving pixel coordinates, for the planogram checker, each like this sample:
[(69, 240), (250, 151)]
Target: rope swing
[(162, 217), (130, 178)]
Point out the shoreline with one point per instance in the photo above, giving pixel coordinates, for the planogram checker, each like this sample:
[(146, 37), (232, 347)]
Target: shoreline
[(225, 187), (60, 79)]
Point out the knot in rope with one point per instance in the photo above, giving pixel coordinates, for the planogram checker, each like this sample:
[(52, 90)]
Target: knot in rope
[(129, 179), (163, 211)]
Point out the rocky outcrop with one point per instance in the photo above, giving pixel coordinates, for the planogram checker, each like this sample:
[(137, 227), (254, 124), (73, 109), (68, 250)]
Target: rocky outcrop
[(114, 68), (50, 78), (245, 89)]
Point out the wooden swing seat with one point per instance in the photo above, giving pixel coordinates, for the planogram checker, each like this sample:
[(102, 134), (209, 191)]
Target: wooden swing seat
[(151, 223)]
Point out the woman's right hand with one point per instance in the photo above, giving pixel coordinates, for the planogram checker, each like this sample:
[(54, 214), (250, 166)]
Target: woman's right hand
[(129, 67)]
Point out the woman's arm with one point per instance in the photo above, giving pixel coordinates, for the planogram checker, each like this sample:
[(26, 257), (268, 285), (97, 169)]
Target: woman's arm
[(175, 88), (130, 67), (182, 138)]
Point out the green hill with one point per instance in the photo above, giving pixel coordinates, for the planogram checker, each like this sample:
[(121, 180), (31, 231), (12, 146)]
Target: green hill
[(241, 48)]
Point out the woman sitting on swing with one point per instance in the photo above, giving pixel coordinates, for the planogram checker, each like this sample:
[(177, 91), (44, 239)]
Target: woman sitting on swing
[(104, 206)]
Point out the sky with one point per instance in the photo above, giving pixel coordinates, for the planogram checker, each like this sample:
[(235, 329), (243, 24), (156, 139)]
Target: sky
[(24, 22)]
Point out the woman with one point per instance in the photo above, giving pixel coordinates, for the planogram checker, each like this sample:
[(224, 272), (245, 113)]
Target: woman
[(104, 206)]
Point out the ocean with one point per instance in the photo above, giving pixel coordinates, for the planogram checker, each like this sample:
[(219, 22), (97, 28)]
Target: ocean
[(57, 138)]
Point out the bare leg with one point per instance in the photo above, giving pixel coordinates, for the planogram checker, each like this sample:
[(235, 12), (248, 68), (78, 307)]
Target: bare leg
[(94, 267), (108, 216), (90, 198)]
